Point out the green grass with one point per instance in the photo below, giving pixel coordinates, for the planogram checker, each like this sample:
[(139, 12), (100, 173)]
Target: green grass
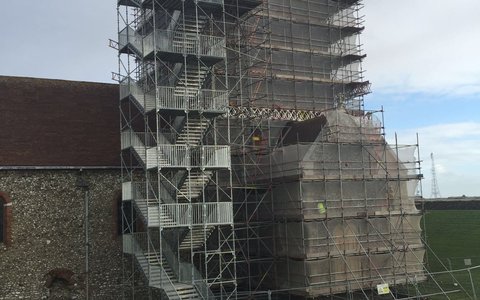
[(452, 236)]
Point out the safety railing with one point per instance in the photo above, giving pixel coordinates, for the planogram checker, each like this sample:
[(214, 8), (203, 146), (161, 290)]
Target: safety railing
[(184, 272), (168, 188), (129, 87), (143, 19), (185, 43), (181, 42), (211, 156), (134, 3), (187, 214), (166, 137), (133, 190), (174, 155), (182, 156), (200, 283), (150, 157), (144, 245), (129, 39), (153, 159), (138, 190), (129, 138), (127, 191), (184, 99), (127, 36), (164, 3), (212, 46), (219, 2)]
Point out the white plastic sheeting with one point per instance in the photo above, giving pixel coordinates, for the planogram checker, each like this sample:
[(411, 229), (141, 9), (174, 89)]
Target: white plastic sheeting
[(345, 211)]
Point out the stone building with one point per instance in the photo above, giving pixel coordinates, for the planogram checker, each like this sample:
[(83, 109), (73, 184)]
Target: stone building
[(59, 149)]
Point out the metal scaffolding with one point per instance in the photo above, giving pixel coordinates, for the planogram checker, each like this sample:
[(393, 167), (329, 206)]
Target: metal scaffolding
[(251, 169), (179, 231)]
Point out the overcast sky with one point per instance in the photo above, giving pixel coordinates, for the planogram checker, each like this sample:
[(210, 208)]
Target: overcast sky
[(422, 61), (423, 64)]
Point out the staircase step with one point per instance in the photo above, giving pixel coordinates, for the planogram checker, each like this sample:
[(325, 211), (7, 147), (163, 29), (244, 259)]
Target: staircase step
[(149, 263), (193, 185), (193, 131), (195, 237), (196, 71), (191, 189), (183, 291)]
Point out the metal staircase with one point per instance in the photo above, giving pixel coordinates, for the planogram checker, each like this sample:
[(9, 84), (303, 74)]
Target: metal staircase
[(190, 81), (150, 157), (187, 31), (143, 149), (162, 276), (192, 24), (151, 214), (193, 132), (130, 89), (196, 237), (178, 101), (177, 290), (193, 185)]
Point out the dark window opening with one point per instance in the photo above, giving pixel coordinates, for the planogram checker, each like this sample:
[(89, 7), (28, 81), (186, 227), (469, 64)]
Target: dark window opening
[(2, 219), (125, 217), (5, 219)]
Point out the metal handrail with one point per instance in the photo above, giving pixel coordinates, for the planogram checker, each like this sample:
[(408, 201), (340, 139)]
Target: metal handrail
[(130, 87), (164, 273), (175, 155), (129, 138), (184, 272), (184, 99), (211, 156), (144, 237), (182, 156), (192, 214), (172, 41), (129, 36)]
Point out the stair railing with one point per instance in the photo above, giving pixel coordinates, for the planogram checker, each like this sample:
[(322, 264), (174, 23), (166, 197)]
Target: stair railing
[(160, 262), (213, 100), (214, 156), (195, 214), (166, 281), (143, 19), (184, 272), (143, 100), (128, 36), (175, 155), (212, 46), (172, 186), (194, 157), (129, 138), (178, 126)]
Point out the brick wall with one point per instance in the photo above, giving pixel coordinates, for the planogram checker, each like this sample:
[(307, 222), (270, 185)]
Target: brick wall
[(58, 123)]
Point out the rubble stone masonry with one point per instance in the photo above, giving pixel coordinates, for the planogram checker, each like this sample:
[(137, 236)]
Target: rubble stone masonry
[(45, 258)]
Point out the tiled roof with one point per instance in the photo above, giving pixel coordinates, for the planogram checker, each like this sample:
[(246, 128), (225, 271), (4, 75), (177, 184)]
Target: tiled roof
[(46, 122)]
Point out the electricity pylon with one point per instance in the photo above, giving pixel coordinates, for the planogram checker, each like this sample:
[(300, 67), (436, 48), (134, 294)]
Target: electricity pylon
[(435, 189)]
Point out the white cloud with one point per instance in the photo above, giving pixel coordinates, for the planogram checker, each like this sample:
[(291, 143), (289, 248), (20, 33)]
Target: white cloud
[(423, 45), (456, 149)]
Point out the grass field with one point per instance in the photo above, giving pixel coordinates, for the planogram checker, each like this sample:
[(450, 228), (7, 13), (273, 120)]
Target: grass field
[(453, 234), (452, 237)]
